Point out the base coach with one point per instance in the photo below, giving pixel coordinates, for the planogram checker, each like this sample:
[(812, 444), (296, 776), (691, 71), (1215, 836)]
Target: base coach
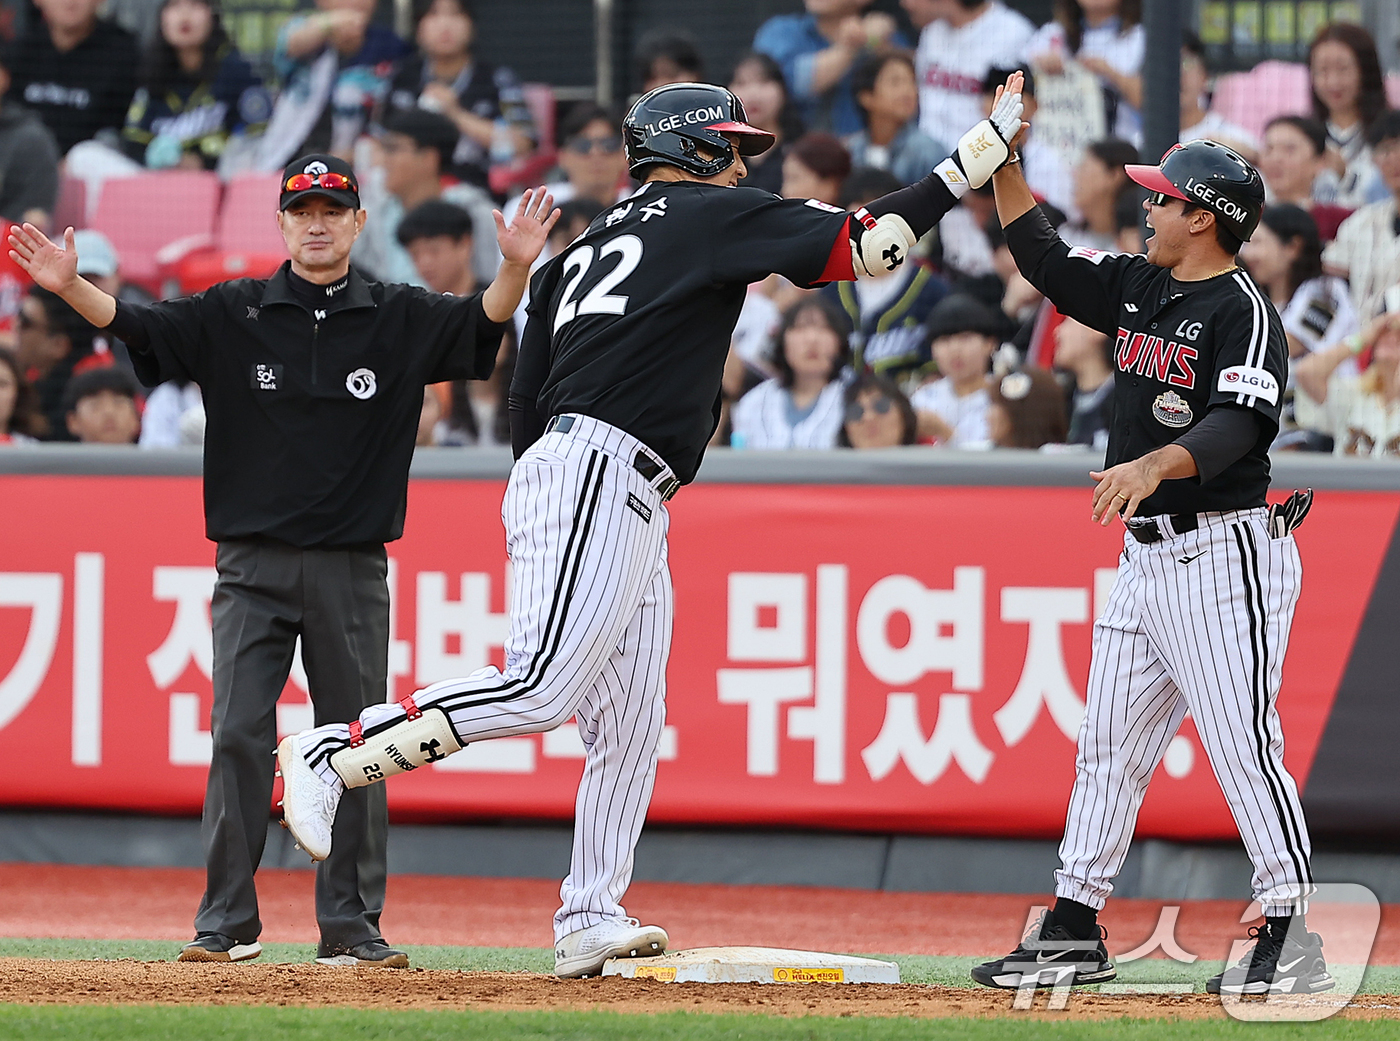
[(313, 384)]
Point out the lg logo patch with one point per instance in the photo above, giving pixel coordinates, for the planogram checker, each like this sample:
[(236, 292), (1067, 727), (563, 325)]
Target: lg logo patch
[(361, 384)]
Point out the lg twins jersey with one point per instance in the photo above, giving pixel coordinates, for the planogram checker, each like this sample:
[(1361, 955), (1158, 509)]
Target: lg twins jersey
[(631, 323), (1180, 348)]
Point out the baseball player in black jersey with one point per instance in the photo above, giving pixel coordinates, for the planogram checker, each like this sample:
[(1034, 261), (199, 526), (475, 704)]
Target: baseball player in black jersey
[(616, 392), (1200, 611)]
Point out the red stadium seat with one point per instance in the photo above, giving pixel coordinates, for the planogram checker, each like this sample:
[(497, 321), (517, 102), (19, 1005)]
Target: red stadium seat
[(1272, 88), (248, 220), (142, 214), (199, 269), (70, 210)]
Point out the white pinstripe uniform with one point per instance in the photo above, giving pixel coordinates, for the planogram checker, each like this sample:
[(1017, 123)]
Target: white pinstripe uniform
[(1200, 613), (590, 634)]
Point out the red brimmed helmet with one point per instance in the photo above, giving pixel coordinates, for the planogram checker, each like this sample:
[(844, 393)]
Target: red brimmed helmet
[(671, 123), (1213, 177)]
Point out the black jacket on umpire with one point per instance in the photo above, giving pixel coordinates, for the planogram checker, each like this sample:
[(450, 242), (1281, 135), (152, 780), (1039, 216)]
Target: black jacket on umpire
[(312, 412)]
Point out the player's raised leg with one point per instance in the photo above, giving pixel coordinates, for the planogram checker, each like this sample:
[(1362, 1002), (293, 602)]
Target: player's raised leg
[(620, 720), (581, 556)]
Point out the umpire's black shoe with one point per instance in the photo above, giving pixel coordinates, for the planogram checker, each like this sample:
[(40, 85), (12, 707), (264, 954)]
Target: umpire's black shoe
[(218, 947), (1053, 957), (1292, 965), (374, 953)]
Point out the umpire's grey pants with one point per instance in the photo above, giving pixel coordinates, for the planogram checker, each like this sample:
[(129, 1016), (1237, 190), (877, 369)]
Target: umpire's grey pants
[(268, 593)]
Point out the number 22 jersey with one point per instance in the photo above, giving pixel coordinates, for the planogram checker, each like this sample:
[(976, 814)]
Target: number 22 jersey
[(631, 323)]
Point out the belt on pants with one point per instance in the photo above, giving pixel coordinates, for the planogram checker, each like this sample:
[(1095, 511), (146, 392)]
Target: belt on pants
[(643, 463), (1148, 530)]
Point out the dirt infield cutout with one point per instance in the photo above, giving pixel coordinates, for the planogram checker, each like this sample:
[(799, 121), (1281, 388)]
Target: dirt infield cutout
[(29, 981)]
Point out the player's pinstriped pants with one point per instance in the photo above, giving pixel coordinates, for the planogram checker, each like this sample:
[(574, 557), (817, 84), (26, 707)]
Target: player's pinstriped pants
[(590, 632), (1197, 621)]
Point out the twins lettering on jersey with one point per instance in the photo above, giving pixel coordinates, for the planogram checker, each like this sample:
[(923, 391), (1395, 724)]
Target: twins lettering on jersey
[(708, 114), (1158, 358)]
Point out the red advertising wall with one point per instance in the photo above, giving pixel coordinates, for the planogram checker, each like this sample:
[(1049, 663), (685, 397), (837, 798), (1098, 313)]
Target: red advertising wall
[(887, 658)]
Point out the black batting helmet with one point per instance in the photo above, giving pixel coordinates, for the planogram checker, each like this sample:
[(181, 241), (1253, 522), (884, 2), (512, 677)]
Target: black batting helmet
[(1213, 177), (671, 123)]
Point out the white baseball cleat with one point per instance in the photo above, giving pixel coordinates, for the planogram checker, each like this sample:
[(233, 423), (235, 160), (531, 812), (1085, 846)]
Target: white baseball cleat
[(583, 952), (308, 803)]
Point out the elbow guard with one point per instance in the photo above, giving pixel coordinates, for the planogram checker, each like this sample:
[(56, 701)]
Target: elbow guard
[(879, 244)]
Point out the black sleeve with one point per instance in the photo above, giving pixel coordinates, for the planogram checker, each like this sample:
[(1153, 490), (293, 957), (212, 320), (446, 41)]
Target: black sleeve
[(922, 204), (1085, 284), (531, 371), (165, 339), (754, 234), (1223, 437), (462, 341)]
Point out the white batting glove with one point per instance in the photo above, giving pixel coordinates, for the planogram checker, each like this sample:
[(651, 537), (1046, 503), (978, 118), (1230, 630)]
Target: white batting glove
[(1006, 116), (985, 148)]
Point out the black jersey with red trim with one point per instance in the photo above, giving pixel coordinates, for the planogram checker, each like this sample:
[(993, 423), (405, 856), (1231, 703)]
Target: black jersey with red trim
[(631, 323), (1180, 350)]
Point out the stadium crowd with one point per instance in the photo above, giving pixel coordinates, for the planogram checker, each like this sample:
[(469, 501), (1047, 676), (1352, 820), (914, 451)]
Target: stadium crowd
[(953, 349)]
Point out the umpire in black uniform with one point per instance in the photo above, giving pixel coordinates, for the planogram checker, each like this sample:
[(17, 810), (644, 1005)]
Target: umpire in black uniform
[(313, 384)]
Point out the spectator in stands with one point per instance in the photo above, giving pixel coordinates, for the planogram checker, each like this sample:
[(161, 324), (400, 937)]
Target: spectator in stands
[(1363, 406), (1087, 355), (195, 92), (1106, 37), (888, 312), (429, 419), (55, 344), (818, 51), (591, 157), (20, 422), (959, 41), (438, 236), (1367, 248), (1050, 177), (887, 96), (668, 56), (173, 416), (1295, 171), (952, 409), (877, 415), (1099, 184), (758, 82), (1285, 257), (484, 101), (75, 70), (1130, 236), (815, 168), (1348, 94), (334, 64), (418, 147), (1196, 121), (100, 407), (28, 157), (1026, 409), (802, 407)]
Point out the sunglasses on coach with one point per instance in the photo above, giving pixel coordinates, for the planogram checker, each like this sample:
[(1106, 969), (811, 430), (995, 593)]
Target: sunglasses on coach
[(855, 411), (300, 182), (586, 145)]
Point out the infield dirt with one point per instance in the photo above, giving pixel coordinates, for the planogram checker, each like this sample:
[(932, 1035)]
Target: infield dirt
[(35, 982)]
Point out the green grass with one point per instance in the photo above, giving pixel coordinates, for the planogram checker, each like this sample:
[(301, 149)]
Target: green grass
[(204, 1023), (914, 968)]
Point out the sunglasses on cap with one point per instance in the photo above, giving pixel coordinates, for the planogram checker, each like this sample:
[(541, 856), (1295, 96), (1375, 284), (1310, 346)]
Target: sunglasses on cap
[(855, 411), (585, 145), (300, 182)]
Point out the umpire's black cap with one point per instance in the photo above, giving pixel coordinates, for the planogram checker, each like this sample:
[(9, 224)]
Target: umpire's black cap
[(320, 175), (671, 123), (1211, 176)]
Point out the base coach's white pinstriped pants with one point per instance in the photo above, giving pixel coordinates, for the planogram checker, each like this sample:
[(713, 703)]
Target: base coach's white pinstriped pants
[(1196, 621), (590, 632)]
